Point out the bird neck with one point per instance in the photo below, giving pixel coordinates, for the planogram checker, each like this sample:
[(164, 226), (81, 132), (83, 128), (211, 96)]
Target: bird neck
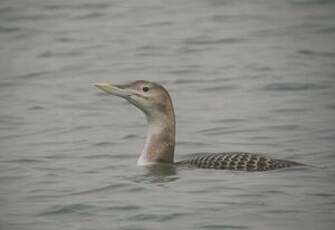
[(160, 140)]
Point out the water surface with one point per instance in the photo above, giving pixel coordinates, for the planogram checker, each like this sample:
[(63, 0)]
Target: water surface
[(255, 76)]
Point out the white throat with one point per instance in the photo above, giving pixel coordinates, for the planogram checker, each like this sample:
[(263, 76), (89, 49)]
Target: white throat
[(153, 129), (160, 141)]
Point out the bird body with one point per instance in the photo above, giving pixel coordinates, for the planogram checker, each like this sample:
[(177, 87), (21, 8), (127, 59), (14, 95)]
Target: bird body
[(236, 161), (155, 102)]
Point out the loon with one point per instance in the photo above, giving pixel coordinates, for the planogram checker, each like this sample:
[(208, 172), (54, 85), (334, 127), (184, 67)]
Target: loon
[(155, 102)]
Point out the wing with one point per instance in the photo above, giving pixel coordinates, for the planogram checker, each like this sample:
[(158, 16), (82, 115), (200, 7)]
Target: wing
[(236, 161)]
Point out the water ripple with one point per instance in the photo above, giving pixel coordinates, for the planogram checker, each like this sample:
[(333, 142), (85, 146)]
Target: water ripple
[(227, 130), (331, 107), (316, 53), (123, 208), (99, 156), (36, 107), (282, 127), (230, 120), (223, 226), (293, 86), (25, 161), (50, 54), (323, 194), (159, 217), (116, 186), (156, 24), (104, 143), (75, 129), (214, 89), (290, 110), (210, 41), (281, 211), (4, 29), (188, 80), (130, 136), (83, 6), (31, 75), (66, 209), (192, 143)]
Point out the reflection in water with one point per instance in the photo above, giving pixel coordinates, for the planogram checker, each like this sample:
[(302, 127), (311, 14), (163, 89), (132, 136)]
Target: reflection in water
[(158, 173)]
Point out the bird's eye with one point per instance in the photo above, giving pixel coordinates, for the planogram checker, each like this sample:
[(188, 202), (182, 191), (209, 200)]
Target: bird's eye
[(145, 89)]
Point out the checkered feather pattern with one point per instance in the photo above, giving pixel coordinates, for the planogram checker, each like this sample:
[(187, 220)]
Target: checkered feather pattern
[(236, 161)]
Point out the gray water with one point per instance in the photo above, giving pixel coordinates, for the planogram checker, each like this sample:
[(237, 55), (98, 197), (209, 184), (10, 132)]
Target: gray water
[(254, 76)]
